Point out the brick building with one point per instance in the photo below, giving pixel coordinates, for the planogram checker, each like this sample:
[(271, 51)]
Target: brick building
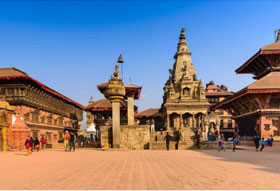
[(44, 111)]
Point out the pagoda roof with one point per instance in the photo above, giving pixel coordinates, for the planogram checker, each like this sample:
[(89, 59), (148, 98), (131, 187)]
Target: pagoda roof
[(129, 87), (223, 93), (14, 73), (268, 84), (151, 112), (104, 105), (270, 49)]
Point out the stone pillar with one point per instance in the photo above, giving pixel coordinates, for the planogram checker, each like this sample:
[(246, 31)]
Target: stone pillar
[(4, 138), (181, 120), (130, 110), (168, 122), (116, 123), (193, 121)]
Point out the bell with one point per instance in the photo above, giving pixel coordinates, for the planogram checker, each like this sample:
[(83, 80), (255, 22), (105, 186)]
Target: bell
[(120, 60)]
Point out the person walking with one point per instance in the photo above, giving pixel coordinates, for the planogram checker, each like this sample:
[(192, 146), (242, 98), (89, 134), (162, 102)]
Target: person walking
[(234, 143), (263, 142), (29, 144), (270, 140), (66, 140), (219, 142), (257, 142), (167, 140), (37, 144), (43, 143), (72, 141), (32, 142), (152, 125), (217, 134), (222, 144)]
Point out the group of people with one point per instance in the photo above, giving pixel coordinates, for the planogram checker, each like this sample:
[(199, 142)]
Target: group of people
[(69, 140), (34, 144), (261, 142), (221, 142)]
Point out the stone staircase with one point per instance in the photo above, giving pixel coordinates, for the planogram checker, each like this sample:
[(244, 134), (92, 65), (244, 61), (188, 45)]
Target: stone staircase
[(157, 140)]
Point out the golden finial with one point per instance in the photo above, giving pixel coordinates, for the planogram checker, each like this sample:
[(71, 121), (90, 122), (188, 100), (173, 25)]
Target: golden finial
[(120, 60)]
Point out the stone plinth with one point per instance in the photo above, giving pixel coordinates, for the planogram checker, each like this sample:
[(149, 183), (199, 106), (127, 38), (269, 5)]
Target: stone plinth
[(135, 137)]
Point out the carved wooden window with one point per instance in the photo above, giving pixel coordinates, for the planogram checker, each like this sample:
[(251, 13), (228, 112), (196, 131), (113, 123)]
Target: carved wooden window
[(61, 121), (35, 116), (222, 124), (274, 103), (229, 123), (50, 120), (26, 116), (55, 121), (43, 119)]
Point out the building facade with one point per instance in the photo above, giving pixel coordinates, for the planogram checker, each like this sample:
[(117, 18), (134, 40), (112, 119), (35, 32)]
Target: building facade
[(44, 111), (214, 95), (256, 108)]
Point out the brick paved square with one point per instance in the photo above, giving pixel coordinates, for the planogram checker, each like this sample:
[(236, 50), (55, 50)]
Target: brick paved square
[(141, 169)]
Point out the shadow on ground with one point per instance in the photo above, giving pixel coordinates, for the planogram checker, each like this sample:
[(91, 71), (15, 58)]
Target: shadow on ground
[(267, 160)]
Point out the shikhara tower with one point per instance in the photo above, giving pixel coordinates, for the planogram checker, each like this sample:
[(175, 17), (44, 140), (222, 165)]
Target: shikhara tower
[(184, 102)]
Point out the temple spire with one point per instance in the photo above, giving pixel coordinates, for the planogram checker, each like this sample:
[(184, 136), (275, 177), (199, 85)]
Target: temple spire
[(91, 101), (278, 36), (182, 35)]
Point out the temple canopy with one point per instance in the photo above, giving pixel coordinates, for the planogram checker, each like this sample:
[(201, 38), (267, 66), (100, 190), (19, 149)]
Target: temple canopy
[(129, 88), (264, 61)]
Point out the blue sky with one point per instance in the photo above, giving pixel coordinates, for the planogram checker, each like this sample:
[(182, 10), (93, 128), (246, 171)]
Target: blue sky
[(73, 46)]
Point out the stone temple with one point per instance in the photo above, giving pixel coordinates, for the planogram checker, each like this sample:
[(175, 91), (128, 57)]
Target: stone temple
[(185, 112)]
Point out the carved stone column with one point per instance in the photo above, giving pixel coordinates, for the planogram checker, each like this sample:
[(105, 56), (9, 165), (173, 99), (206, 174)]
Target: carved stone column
[(130, 110), (115, 93)]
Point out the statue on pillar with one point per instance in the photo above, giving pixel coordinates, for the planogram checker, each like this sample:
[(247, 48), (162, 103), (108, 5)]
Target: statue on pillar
[(116, 73)]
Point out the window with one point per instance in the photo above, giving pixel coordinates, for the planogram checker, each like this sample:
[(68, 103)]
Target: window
[(229, 123), (267, 127), (222, 124)]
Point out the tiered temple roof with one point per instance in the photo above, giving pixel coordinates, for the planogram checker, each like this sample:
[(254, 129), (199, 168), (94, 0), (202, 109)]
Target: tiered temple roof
[(264, 61)]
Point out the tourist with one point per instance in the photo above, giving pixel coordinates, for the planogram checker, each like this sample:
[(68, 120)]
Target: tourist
[(219, 141), (32, 148), (66, 140), (234, 143), (43, 143), (222, 144), (209, 136), (152, 125), (263, 143), (270, 140), (167, 140), (216, 134), (37, 144), (72, 141), (257, 142), (148, 122), (29, 145)]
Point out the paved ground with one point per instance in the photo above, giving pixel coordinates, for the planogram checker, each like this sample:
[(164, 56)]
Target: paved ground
[(149, 170)]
